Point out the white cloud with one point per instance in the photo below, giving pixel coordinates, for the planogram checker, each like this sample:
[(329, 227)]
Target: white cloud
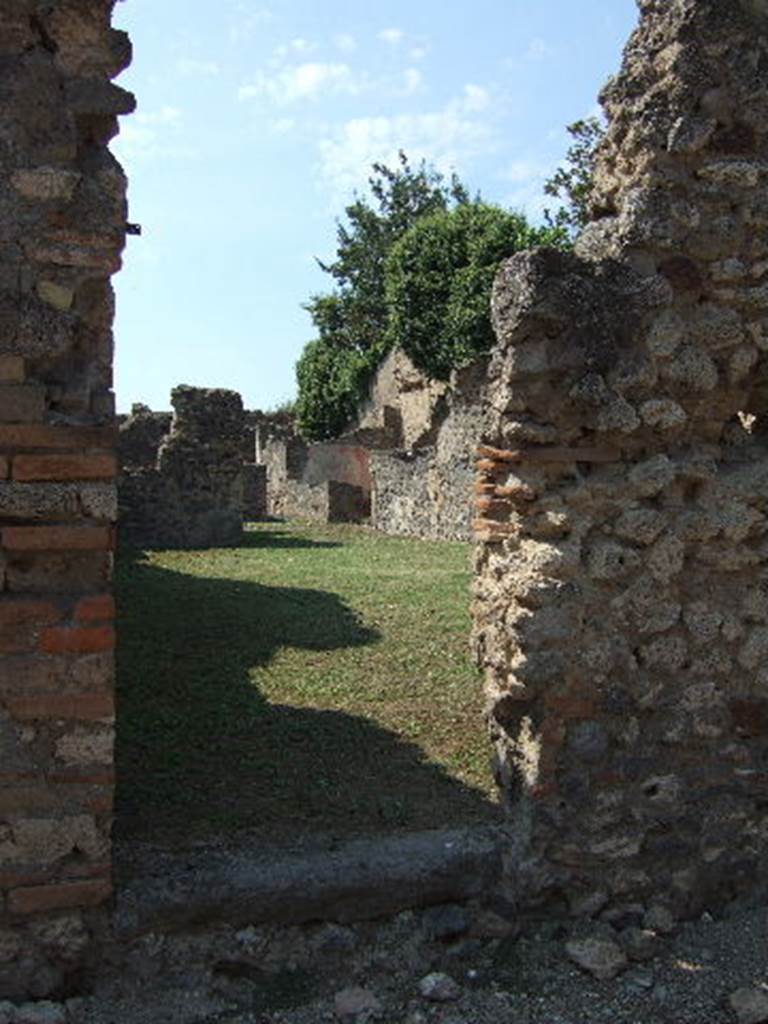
[(345, 42), (197, 68), (393, 36), (538, 49), (418, 53), (527, 176), (295, 46), (283, 125), (475, 98), (249, 18), (412, 81), (151, 134), (302, 82), (446, 138)]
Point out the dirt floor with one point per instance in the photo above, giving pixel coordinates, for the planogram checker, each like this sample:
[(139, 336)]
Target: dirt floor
[(377, 972)]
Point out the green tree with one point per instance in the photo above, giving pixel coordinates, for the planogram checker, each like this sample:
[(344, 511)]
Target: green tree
[(332, 381), (439, 278), (355, 314), (574, 180), (335, 370)]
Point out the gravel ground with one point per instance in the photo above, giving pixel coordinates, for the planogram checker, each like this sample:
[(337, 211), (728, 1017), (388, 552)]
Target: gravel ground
[(261, 975)]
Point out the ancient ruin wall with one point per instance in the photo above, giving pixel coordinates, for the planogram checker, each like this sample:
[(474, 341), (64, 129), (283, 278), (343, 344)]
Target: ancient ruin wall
[(192, 496), (62, 197), (327, 482), (621, 608), (140, 435), (427, 491)]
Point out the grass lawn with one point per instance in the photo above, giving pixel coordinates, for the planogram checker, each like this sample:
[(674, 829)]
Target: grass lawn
[(314, 680)]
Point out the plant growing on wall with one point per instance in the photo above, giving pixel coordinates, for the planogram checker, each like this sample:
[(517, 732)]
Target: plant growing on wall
[(573, 181)]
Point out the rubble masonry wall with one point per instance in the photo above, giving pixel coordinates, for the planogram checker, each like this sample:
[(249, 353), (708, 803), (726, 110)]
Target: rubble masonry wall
[(62, 229), (191, 496), (621, 595)]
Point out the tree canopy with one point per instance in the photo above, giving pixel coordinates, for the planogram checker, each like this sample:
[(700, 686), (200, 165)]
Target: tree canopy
[(439, 278), (334, 371), (413, 269)]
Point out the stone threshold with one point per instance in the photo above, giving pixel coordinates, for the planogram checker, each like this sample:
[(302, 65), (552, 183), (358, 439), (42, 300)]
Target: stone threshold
[(356, 880)]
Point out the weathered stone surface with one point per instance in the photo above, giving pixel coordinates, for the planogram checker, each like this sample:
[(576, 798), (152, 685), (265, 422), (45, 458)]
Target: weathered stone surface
[(422, 478), (327, 481), (351, 1002), (750, 1005), (601, 958), (184, 487), (439, 988), (63, 229), (622, 660)]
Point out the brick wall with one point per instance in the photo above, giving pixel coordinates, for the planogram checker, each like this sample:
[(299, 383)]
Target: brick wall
[(62, 197)]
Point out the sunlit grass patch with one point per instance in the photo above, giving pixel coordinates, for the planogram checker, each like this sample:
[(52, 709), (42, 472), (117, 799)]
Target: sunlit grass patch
[(313, 679)]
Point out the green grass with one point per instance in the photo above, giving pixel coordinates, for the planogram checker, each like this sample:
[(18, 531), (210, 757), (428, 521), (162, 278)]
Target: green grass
[(312, 680)]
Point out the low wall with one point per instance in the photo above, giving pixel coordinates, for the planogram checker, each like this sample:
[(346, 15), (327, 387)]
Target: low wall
[(326, 482)]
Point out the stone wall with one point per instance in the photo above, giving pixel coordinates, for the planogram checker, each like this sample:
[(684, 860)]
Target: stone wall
[(192, 497), (621, 609), (427, 491), (62, 197), (254, 491), (401, 408), (328, 482), (140, 435)]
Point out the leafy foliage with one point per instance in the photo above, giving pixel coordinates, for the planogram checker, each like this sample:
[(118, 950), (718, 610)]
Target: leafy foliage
[(439, 280), (414, 266), (332, 380), (573, 181), (355, 315), (334, 371)]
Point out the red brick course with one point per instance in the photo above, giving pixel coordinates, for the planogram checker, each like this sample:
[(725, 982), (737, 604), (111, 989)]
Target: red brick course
[(28, 468), (20, 611), (57, 538), (85, 707), (96, 608), (77, 639), (41, 435), (32, 900)]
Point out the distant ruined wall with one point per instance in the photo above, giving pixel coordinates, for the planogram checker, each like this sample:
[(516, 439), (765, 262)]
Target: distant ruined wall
[(621, 596), (326, 482), (62, 197), (254, 491), (427, 491), (401, 407), (140, 435), (193, 495)]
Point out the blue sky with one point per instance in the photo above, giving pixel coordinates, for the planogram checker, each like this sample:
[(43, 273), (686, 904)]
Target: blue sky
[(257, 120)]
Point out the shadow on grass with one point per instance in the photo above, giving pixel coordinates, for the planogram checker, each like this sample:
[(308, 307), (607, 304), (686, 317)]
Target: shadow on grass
[(200, 752), (278, 539)]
